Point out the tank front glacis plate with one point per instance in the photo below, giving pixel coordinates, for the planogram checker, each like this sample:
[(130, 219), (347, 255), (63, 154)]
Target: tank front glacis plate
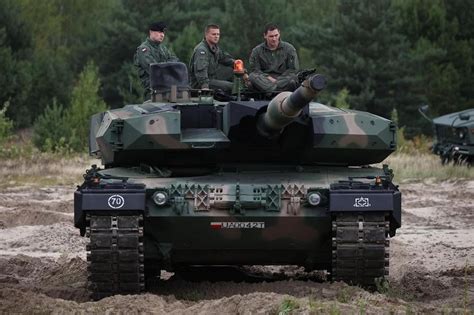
[(271, 193), (249, 217)]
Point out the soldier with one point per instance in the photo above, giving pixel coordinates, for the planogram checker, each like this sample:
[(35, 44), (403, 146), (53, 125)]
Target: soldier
[(207, 61), (273, 63), (152, 51)]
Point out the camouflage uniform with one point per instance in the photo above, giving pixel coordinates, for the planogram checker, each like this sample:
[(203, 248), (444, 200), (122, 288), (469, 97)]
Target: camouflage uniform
[(281, 63), (147, 53), (205, 70)]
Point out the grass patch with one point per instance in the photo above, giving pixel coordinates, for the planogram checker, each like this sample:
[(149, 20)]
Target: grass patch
[(316, 307), (417, 166), (192, 295), (287, 306), (44, 170), (346, 294), (22, 164), (392, 290)]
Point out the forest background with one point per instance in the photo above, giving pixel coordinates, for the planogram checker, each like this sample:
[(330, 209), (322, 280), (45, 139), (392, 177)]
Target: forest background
[(63, 60)]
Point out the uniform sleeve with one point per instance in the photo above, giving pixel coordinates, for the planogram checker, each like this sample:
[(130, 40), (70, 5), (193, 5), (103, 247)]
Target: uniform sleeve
[(292, 62), (143, 59), (226, 59), (254, 62), (200, 66)]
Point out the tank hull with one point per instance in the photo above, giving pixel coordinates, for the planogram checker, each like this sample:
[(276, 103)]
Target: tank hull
[(245, 216)]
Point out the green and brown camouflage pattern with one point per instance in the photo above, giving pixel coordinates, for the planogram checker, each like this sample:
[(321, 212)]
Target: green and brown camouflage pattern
[(274, 200), (198, 133), (195, 181)]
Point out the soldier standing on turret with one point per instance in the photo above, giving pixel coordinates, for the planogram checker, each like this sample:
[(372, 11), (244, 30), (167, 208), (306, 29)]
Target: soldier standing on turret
[(152, 50), (274, 63), (205, 61)]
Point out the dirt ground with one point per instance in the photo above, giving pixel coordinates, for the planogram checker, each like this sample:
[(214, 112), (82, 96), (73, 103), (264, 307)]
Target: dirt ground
[(43, 267)]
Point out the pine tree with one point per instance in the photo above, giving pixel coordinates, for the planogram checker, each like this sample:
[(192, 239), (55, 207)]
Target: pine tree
[(360, 50)]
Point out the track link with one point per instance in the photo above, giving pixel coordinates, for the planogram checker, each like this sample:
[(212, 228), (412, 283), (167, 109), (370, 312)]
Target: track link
[(115, 255), (360, 246)]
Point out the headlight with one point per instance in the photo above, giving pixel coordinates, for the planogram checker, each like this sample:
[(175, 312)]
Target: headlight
[(314, 198), (462, 133), (160, 198)]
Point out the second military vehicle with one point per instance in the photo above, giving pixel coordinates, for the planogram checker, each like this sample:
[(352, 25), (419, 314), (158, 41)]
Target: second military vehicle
[(454, 136), (189, 180)]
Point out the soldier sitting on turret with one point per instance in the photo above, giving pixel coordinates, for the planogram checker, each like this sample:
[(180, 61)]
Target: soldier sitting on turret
[(206, 62), (274, 63)]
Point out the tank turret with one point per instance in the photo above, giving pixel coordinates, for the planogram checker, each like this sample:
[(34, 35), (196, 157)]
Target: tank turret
[(287, 106), (183, 128)]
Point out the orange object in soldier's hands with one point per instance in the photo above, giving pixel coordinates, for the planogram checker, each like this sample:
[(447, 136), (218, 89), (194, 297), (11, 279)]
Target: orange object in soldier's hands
[(239, 67)]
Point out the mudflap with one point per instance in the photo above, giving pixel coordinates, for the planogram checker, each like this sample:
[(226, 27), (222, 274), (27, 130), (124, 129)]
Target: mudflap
[(106, 199), (362, 222), (111, 216)]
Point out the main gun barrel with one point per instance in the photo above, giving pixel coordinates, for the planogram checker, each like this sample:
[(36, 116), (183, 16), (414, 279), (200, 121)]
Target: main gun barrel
[(287, 106)]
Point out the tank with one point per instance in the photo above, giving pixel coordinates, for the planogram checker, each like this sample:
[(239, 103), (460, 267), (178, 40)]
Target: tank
[(188, 180), (453, 136)]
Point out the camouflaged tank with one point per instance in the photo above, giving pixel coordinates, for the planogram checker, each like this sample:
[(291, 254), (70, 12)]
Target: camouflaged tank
[(188, 180), (454, 136)]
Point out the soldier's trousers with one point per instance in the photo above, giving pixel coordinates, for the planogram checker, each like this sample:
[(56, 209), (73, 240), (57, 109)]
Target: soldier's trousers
[(285, 82), (225, 86)]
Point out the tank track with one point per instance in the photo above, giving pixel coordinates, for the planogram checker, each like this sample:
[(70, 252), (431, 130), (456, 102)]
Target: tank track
[(360, 247), (115, 255)]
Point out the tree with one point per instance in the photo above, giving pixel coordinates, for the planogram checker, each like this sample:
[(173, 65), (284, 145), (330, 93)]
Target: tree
[(85, 102), (57, 128), (442, 44), (359, 51), (15, 69)]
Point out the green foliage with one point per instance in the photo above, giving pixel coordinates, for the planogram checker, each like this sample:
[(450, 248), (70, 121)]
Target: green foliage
[(340, 100), (419, 166), (345, 294), (67, 130), (362, 307), (5, 125), (362, 55), (16, 150), (287, 306), (50, 130), (184, 44), (131, 93), (84, 103), (377, 55), (394, 116), (382, 285), (418, 144)]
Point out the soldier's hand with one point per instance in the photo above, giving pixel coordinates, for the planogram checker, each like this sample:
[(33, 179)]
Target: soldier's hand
[(303, 74), (271, 79)]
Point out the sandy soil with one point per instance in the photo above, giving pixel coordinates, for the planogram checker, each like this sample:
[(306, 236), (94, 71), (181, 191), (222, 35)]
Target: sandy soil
[(43, 267)]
